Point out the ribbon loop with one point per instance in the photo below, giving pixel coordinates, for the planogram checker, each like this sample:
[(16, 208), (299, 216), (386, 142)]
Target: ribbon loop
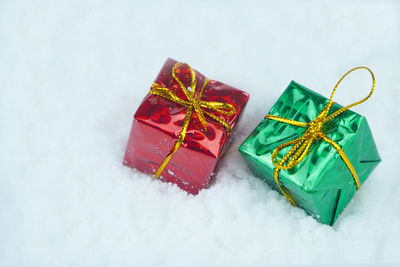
[(194, 104), (357, 102), (300, 146)]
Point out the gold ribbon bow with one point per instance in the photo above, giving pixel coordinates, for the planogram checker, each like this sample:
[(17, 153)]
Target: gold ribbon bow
[(193, 104), (301, 145)]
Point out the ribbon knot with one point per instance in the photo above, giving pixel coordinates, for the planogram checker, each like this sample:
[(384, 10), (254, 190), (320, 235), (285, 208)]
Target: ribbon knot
[(314, 131), (300, 146), (194, 104)]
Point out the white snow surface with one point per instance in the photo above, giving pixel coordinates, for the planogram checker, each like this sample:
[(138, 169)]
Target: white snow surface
[(72, 74)]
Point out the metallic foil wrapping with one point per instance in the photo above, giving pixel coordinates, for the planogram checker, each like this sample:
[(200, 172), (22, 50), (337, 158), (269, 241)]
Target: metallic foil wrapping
[(321, 183), (158, 123)]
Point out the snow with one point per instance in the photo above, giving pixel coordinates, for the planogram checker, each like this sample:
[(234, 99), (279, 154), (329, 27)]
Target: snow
[(72, 74)]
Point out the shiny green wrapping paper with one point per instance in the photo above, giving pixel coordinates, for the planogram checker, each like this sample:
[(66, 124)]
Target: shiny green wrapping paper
[(321, 184)]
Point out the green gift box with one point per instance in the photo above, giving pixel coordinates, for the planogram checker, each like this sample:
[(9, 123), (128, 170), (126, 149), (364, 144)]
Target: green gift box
[(321, 183)]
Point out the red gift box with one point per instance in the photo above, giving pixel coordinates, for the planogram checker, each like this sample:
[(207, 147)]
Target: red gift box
[(212, 111)]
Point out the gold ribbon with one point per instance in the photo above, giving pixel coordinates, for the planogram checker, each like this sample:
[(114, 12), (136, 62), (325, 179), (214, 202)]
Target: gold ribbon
[(301, 145), (194, 104)]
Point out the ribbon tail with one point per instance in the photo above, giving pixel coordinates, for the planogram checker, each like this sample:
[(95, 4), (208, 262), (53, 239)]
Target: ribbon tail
[(178, 143), (286, 194), (345, 159), (221, 108), (219, 120), (280, 165), (200, 115)]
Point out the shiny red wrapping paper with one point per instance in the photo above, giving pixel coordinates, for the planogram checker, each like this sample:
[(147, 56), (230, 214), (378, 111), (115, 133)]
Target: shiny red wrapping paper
[(157, 124)]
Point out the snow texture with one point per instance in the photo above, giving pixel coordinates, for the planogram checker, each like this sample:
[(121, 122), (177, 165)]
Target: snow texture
[(72, 74)]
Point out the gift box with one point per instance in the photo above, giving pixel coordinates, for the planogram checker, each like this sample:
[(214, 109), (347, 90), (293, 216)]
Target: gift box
[(183, 127), (318, 163)]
